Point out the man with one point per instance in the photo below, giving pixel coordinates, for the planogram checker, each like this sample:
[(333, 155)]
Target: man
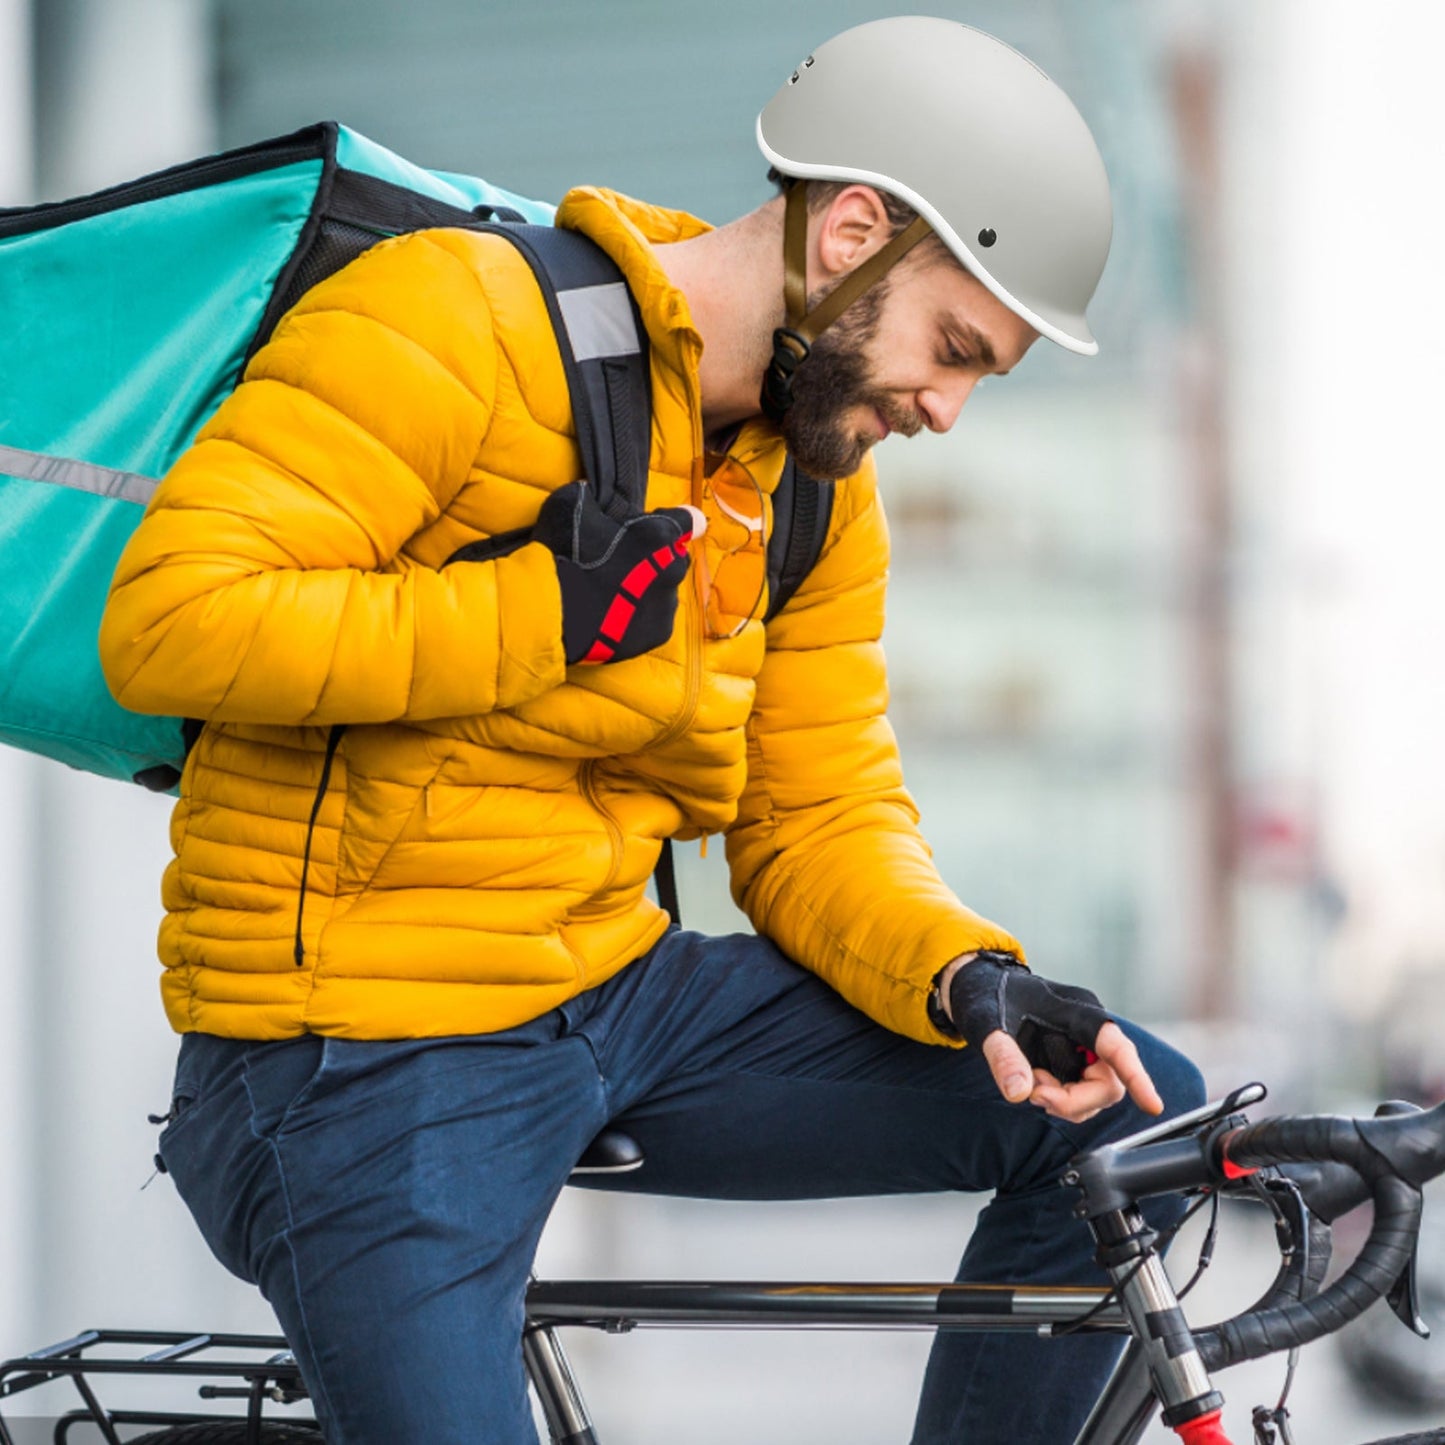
[(407, 937)]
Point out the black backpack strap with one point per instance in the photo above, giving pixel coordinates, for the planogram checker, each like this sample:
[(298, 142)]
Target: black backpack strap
[(604, 353), (802, 509), (603, 345), (665, 876), (598, 325)]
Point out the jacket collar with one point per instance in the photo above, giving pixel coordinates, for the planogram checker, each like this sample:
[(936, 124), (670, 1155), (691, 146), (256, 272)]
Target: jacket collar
[(626, 230)]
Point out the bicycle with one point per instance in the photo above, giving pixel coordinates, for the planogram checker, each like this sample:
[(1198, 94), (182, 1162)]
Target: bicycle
[(1308, 1170)]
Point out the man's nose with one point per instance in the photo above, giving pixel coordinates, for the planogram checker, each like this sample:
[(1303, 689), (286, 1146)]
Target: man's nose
[(941, 405)]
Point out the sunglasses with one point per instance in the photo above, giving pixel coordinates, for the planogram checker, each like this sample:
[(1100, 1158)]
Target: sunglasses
[(732, 554)]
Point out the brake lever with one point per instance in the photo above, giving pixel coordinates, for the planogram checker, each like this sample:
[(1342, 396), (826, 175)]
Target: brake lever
[(1404, 1295), (1404, 1298)]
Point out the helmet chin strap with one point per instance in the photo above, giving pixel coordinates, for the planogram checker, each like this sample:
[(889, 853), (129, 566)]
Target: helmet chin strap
[(793, 341)]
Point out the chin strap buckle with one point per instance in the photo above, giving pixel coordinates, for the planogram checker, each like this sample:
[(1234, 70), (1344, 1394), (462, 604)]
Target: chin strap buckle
[(790, 350)]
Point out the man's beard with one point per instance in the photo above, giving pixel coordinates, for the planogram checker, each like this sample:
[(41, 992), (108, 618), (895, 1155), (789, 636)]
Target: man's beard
[(834, 378)]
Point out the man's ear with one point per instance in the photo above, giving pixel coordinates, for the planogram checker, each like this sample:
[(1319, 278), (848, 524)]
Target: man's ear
[(854, 226)]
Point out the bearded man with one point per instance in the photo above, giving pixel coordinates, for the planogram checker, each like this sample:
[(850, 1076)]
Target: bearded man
[(408, 940)]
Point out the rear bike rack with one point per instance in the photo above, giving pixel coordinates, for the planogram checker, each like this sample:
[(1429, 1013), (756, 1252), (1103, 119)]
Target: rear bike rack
[(266, 1372)]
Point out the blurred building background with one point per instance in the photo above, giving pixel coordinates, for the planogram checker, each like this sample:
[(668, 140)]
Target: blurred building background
[(1163, 626)]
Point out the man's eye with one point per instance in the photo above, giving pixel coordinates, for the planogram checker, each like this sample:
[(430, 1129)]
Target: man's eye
[(956, 357)]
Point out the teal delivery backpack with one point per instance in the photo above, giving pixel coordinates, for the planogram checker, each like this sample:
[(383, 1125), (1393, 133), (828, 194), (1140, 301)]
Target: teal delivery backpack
[(127, 317)]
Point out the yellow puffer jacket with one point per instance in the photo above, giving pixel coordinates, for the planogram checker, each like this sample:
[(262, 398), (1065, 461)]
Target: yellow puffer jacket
[(491, 817)]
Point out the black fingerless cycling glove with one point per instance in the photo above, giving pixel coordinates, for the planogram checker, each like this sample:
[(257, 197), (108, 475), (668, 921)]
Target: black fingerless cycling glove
[(1056, 1024), (619, 579)]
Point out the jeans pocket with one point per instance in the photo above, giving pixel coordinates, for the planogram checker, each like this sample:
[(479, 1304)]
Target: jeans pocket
[(199, 1065), (219, 1147), (181, 1102), (306, 1077)]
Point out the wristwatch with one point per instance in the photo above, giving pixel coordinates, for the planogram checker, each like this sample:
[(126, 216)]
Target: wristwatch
[(937, 1013)]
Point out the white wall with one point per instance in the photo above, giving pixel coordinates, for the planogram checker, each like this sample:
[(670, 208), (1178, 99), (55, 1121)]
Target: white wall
[(16, 794), (18, 1135), (127, 89), (15, 129), (1352, 340)]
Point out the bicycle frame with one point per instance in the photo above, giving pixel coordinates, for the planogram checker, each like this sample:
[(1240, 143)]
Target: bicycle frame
[(614, 1307), (619, 1306)]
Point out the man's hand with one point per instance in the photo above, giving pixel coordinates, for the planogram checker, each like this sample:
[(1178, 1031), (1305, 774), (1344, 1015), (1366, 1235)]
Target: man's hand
[(1045, 1043), (619, 580)]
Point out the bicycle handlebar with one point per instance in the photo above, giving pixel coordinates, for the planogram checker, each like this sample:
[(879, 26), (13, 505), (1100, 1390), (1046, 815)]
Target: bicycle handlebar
[(1393, 1156)]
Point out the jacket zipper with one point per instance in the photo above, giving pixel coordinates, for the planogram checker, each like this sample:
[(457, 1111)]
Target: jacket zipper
[(695, 622), (333, 741), (694, 603)]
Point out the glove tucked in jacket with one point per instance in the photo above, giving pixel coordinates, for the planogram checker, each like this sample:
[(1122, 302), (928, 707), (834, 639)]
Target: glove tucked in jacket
[(619, 579)]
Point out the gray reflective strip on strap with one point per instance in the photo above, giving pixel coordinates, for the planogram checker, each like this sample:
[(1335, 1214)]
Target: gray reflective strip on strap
[(599, 321), (82, 476)]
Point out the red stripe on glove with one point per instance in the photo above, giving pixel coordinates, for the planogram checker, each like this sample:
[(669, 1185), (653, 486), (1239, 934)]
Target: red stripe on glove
[(614, 625)]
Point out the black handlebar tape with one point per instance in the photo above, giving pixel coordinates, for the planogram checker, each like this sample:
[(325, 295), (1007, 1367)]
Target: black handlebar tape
[(1408, 1139), (1321, 1247), (1411, 1141), (1266, 1330), (1294, 1137)]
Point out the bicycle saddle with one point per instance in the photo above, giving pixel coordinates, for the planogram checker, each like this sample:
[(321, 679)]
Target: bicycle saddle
[(611, 1152)]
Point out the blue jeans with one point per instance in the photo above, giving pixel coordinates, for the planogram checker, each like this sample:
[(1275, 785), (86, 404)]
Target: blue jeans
[(388, 1197)]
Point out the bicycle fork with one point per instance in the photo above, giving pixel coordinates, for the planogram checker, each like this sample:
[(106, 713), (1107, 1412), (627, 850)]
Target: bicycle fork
[(1191, 1404)]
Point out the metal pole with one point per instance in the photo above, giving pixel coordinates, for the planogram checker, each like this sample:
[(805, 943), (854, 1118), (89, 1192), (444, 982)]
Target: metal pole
[(1211, 694), (568, 1422), (622, 1304), (1122, 1413)]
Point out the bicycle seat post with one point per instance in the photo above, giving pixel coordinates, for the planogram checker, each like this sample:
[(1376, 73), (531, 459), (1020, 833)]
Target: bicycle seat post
[(1127, 1250)]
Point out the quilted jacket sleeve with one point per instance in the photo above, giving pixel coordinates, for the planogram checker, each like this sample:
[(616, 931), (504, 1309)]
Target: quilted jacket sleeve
[(265, 583), (826, 856)]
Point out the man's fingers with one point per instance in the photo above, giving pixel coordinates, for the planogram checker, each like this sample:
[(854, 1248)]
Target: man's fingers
[(1113, 1048), (1011, 1070), (1116, 1070), (1099, 1089)]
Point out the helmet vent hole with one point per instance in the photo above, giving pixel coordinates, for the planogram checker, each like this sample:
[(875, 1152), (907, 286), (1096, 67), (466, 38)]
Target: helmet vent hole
[(807, 62), (987, 236), (793, 78)]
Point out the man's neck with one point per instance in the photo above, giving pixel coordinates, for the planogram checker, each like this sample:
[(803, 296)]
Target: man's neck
[(733, 281)]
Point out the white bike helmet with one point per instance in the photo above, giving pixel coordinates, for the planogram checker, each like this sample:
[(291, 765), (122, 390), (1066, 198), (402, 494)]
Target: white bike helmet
[(976, 138)]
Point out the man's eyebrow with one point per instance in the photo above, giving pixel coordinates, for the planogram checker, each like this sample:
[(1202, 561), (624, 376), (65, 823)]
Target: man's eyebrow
[(975, 339)]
